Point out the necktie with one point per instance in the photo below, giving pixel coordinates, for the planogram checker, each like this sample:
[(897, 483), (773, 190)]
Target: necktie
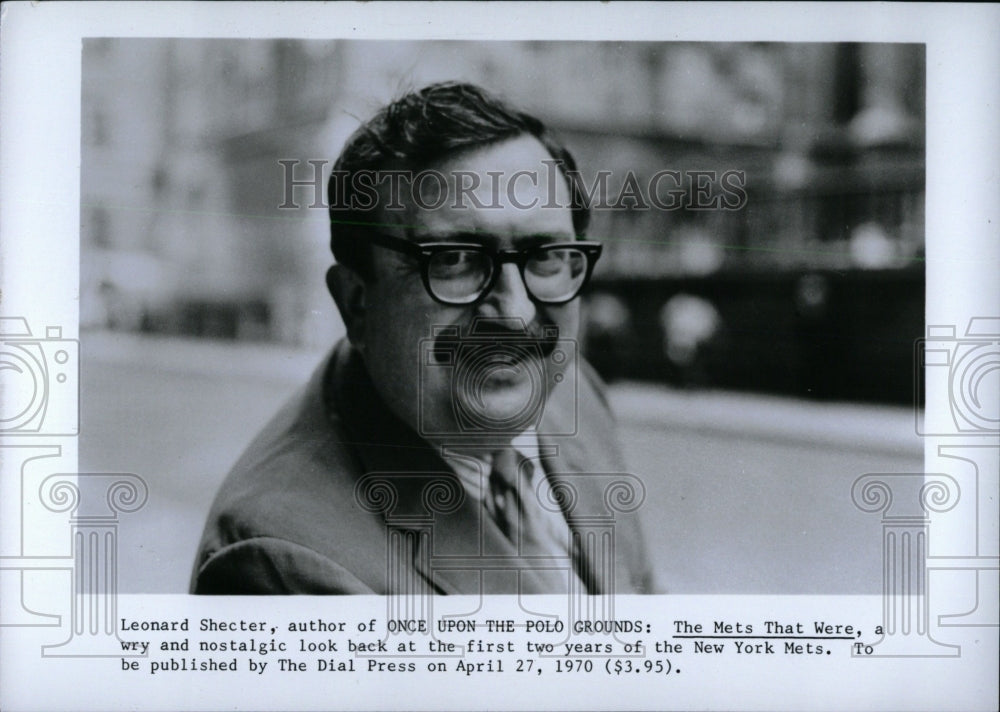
[(505, 500), (513, 503), (515, 507)]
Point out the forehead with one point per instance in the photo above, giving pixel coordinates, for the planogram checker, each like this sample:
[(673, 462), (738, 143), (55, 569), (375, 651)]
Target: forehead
[(507, 188)]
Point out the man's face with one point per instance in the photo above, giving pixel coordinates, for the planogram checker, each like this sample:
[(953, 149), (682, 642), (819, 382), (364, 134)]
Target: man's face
[(399, 314)]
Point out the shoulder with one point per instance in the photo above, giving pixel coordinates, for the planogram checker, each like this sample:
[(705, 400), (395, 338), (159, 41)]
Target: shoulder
[(286, 518), (596, 427), (267, 565), (592, 386)]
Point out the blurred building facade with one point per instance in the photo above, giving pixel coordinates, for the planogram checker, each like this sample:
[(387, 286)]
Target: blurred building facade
[(181, 188), (808, 270)]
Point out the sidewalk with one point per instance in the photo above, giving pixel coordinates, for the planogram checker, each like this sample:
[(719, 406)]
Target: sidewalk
[(876, 428), (873, 428)]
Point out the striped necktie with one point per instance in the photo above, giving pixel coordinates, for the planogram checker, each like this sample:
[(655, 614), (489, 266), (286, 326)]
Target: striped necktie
[(513, 503), (505, 502)]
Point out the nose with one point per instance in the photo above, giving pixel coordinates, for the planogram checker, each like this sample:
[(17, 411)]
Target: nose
[(509, 297)]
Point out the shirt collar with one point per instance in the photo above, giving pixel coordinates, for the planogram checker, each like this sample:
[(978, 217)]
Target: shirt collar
[(473, 469)]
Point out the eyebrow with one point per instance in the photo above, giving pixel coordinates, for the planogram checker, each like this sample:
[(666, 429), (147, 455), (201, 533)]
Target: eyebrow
[(492, 240)]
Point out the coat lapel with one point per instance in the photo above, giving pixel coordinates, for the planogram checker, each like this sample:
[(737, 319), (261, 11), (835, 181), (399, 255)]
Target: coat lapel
[(588, 463), (565, 469)]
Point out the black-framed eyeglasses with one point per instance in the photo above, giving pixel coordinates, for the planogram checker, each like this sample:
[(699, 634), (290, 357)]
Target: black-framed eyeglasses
[(460, 273)]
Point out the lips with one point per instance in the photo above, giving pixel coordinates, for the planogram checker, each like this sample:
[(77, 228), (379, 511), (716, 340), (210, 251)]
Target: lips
[(502, 355)]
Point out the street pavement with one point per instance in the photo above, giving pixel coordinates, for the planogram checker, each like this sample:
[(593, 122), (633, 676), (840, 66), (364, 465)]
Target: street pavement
[(744, 493)]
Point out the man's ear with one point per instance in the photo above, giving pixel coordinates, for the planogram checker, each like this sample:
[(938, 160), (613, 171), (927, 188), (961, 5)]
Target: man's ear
[(349, 291)]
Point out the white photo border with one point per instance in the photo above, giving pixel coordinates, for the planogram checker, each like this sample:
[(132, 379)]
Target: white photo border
[(40, 100)]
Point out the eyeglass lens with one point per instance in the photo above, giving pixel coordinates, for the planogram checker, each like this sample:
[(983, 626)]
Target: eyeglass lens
[(461, 275)]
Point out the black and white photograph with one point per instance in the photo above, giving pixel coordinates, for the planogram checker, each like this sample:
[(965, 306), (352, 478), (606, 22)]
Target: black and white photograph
[(663, 343), (749, 317)]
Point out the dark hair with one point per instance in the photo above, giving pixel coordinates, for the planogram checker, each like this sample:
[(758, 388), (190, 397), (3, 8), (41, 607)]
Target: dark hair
[(419, 129)]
